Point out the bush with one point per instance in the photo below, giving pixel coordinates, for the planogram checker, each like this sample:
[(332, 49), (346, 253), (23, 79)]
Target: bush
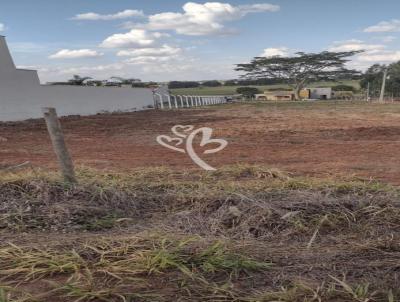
[(231, 83), (212, 84), (177, 84), (343, 88), (248, 92)]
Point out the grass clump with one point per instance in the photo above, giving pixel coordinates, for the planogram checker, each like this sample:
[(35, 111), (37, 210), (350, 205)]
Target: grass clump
[(127, 268)]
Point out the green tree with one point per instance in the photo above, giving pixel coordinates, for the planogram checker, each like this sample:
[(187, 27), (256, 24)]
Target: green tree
[(126, 81), (78, 80), (374, 76), (248, 92), (231, 83), (300, 69), (179, 84), (212, 84), (343, 87)]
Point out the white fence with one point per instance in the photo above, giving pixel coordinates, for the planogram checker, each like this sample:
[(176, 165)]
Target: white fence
[(164, 101)]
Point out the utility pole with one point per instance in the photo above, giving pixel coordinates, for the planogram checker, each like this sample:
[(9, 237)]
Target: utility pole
[(368, 93), (381, 98)]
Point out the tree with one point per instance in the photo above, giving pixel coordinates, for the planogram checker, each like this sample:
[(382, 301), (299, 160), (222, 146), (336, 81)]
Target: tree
[(374, 76), (178, 84), (212, 84), (231, 83), (125, 81), (301, 69), (248, 92), (78, 80), (343, 87)]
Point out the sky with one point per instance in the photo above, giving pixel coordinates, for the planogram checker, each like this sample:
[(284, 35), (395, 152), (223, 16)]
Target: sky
[(163, 40)]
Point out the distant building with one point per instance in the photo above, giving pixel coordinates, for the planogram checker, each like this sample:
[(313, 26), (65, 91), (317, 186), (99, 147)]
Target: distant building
[(260, 97), (316, 93), (305, 94), (280, 95)]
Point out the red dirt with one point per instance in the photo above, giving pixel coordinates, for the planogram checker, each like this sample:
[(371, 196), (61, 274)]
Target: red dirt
[(313, 140)]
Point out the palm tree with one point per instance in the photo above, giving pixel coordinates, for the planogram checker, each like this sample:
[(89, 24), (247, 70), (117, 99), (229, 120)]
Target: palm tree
[(78, 80)]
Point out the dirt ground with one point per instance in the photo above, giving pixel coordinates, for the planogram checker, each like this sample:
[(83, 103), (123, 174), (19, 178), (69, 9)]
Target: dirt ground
[(301, 138)]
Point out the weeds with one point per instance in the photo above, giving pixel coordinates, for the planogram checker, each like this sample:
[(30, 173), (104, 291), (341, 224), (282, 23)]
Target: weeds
[(108, 270), (241, 234)]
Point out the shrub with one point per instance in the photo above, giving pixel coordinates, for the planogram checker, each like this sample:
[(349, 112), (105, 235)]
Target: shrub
[(212, 84), (343, 88), (248, 92)]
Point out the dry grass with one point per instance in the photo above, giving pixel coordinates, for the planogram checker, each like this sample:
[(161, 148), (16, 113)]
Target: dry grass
[(244, 233)]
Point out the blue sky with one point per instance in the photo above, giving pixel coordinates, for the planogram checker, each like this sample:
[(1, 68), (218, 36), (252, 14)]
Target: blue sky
[(181, 40)]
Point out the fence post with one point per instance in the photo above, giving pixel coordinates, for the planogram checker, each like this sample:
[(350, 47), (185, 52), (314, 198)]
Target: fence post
[(60, 148), (161, 100), (176, 101), (169, 101)]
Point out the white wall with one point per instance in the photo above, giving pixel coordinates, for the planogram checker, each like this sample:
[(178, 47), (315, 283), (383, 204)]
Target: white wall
[(22, 96)]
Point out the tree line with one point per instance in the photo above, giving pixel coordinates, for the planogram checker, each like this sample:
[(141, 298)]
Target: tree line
[(373, 78), (78, 80), (216, 83)]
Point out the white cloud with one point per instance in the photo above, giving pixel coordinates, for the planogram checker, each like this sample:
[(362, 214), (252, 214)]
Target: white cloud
[(275, 52), (128, 13), (136, 38), (2, 27), (75, 54), (355, 45), (384, 26), (382, 57), (373, 53), (388, 39), (145, 68), (149, 60), (204, 19), (165, 50)]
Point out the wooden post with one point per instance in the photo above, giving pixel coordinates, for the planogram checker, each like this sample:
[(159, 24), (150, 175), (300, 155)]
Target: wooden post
[(60, 148)]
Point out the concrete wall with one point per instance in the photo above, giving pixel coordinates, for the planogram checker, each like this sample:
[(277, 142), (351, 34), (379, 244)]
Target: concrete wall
[(321, 93), (22, 96)]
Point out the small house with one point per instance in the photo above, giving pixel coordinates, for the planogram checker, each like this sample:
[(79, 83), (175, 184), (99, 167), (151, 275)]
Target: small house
[(280, 95), (320, 93)]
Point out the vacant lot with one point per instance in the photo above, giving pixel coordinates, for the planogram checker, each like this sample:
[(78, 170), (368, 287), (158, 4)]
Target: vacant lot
[(323, 139), (144, 224)]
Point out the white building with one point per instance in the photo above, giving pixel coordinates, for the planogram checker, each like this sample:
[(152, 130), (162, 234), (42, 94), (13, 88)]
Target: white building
[(320, 93)]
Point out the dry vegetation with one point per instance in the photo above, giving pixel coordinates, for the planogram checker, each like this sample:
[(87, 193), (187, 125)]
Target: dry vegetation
[(244, 233)]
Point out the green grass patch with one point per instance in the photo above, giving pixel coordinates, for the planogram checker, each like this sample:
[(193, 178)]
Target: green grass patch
[(231, 90)]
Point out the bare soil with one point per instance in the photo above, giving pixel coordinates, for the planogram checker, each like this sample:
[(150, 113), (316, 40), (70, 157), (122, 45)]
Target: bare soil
[(305, 139)]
